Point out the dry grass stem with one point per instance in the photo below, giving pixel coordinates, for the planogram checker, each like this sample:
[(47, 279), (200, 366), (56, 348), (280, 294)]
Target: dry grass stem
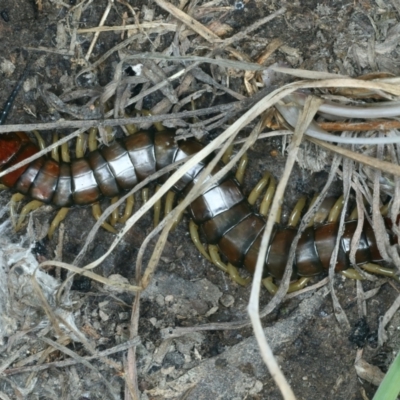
[(69, 362), (382, 335), (189, 21), (143, 26), (97, 33), (91, 275), (310, 109), (361, 158)]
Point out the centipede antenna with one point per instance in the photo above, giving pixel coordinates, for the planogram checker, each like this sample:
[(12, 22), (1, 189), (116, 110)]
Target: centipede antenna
[(10, 101)]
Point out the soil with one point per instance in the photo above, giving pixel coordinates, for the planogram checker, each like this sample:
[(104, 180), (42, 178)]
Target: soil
[(316, 353)]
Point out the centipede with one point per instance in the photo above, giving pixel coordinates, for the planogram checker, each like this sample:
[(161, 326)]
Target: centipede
[(226, 217)]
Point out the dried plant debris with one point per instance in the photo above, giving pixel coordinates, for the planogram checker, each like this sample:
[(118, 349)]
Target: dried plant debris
[(200, 65)]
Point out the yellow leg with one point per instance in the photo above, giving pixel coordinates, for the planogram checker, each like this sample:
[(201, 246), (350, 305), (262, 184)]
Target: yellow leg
[(54, 153), (351, 273), (241, 169), (299, 284), (296, 213), (194, 234), (158, 125), (312, 221), (267, 200), (169, 202), (32, 205), (235, 276), (379, 270), (371, 268), (270, 285), (177, 219), (41, 143), (15, 198), (129, 204), (324, 210), (336, 210), (131, 128), (227, 155), (229, 268), (65, 153), (354, 214), (157, 208), (145, 195), (62, 213), (293, 287), (169, 205), (385, 209), (258, 189), (216, 259), (114, 215), (108, 135), (92, 139), (96, 211), (269, 180), (80, 146)]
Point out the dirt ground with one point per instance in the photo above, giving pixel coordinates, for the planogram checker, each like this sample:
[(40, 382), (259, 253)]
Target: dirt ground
[(40, 332)]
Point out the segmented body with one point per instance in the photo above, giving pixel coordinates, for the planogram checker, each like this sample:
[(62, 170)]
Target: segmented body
[(223, 212)]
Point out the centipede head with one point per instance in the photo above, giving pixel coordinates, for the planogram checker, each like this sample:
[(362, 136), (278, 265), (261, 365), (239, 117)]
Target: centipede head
[(9, 145)]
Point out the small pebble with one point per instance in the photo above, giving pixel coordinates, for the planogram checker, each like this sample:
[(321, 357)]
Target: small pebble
[(5, 16), (227, 300)]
